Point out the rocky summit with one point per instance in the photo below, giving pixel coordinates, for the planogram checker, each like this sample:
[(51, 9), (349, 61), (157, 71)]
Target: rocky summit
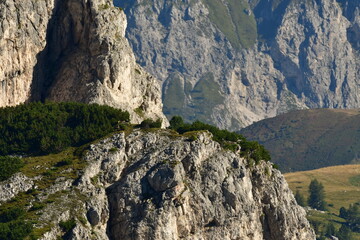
[(159, 185), (235, 62)]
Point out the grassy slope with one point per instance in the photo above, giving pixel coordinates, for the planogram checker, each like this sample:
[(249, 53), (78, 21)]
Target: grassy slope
[(47, 170), (310, 139), (341, 185), (232, 20)]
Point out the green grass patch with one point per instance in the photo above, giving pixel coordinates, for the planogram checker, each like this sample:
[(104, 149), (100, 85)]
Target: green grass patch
[(139, 111), (321, 220), (192, 103), (235, 20), (339, 192), (355, 181)]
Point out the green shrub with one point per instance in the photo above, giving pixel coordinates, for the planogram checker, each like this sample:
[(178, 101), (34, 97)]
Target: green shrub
[(37, 206), (9, 166), (149, 123), (176, 122), (42, 128), (228, 140), (11, 214), (12, 227), (113, 150), (15, 230), (68, 225)]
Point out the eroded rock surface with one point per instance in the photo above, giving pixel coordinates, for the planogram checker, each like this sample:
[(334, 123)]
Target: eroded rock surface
[(160, 185), (14, 185), (155, 186)]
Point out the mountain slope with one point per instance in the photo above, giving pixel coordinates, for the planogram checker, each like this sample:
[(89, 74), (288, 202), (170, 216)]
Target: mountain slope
[(260, 57), (309, 139)]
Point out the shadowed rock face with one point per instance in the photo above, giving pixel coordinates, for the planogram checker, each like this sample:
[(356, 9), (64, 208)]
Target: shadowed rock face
[(305, 55), (72, 50)]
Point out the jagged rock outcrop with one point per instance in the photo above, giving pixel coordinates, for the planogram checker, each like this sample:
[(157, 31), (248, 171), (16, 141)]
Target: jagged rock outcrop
[(155, 185), (72, 50), (16, 184), (299, 54)]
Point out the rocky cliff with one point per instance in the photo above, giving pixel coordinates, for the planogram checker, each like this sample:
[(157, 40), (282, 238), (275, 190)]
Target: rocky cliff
[(72, 50), (160, 185), (235, 62)]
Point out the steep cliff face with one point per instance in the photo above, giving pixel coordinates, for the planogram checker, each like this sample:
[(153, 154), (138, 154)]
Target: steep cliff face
[(157, 185), (236, 63), (22, 36), (72, 50)]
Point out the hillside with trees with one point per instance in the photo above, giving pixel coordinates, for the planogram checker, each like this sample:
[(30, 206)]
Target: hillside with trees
[(43, 128), (309, 139), (331, 196)]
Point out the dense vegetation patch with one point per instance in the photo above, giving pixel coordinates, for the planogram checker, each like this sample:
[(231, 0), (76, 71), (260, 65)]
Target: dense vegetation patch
[(13, 226), (229, 140), (42, 128), (9, 166)]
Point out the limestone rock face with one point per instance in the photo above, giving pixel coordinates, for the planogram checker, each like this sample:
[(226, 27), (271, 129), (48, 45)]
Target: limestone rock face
[(196, 190), (154, 186), (73, 50), (305, 55), (23, 26)]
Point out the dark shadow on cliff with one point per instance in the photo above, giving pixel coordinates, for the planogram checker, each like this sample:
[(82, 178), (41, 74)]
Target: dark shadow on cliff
[(269, 17), (58, 40)]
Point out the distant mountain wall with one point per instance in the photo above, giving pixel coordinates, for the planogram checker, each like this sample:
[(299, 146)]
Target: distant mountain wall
[(234, 62)]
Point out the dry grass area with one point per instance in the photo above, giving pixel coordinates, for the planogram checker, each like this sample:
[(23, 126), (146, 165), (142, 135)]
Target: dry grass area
[(341, 184)]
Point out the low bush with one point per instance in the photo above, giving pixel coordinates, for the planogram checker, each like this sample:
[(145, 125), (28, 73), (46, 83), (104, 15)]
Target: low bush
[(12, 226), (68, 225), (149, 123), (228, 140), (9, 166)]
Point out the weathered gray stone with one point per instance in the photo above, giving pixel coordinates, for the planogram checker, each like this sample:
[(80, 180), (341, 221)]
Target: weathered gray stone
[(308, 57), (14, 185), (172, 188)]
